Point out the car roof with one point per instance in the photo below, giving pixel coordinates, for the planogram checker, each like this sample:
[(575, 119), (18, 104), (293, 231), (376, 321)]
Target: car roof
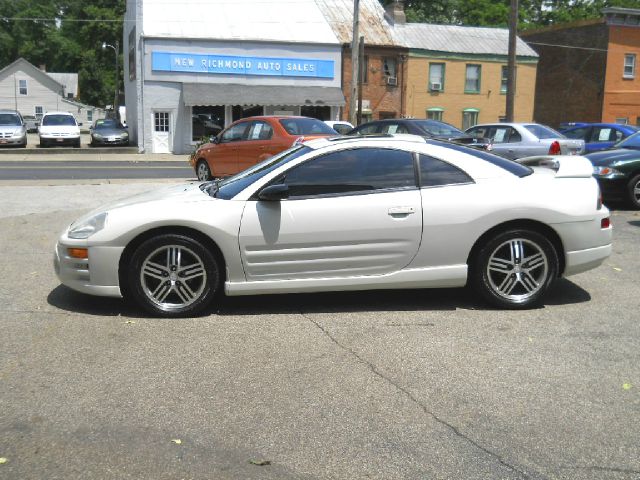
[(59, 113)]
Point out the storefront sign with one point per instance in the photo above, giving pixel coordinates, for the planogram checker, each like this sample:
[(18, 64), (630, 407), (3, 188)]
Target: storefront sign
[(233, 65)]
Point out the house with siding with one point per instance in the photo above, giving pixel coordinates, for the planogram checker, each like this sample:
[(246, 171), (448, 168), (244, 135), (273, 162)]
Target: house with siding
[(32, 91)]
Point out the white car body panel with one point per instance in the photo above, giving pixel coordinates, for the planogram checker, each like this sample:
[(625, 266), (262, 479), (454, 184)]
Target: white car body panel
[(398, 239)]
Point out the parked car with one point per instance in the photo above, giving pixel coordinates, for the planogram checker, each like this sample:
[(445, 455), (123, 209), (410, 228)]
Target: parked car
[(345, 213), (340, 126), (599, 136), (516, 140), (251, 140), (618, 171), (425, 128), (59, 128), (108, 131), (13, 132), (31, 122)]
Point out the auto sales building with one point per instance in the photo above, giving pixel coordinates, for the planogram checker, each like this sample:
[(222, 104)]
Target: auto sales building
[(192, 68)]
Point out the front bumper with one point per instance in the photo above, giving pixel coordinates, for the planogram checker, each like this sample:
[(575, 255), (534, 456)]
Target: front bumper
[(12, 141), (59, 139), (109, 141), (96, 275)]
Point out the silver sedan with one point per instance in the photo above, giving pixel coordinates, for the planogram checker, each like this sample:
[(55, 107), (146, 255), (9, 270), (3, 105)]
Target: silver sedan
[(517, 140)]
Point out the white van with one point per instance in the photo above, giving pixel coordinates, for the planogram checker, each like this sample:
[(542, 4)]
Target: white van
[(59, 128)]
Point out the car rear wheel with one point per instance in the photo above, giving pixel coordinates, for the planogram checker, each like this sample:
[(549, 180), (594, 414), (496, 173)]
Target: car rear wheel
[(203, 171), (633, 192), (514, 269), (173, 276)]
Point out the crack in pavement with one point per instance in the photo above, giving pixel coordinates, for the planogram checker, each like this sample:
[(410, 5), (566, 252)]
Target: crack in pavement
[(422, 407)]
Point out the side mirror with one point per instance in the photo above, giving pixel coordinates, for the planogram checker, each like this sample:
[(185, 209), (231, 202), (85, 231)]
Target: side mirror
[(274, 193), (213, 139), (79, 124)]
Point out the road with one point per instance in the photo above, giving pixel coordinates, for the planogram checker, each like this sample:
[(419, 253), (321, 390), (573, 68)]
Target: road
[(112, 169), (417, 384)]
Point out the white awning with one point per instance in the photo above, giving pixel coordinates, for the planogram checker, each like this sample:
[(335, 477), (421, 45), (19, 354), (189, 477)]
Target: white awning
[(200, 94)]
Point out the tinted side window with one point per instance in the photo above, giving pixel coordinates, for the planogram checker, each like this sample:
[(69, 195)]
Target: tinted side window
[(579, 133), (368, 129), (434, 173), (235, 133), (260, 131), (392, 128), (352, 171)]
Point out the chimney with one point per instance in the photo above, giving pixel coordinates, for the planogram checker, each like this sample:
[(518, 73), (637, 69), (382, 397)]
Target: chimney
[(395, 12)]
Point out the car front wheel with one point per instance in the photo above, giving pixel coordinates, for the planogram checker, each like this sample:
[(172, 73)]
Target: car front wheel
[(633, 192), (173, 275), (203, 171), (514, 269)]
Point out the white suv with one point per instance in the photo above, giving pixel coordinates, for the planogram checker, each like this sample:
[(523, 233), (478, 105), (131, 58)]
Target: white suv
[(59, 128)]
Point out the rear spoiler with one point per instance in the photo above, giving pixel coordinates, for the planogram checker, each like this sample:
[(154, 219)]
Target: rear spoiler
[(565, 166)]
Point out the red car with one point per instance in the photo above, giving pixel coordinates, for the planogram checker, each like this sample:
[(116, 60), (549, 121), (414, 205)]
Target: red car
[(250, 140)]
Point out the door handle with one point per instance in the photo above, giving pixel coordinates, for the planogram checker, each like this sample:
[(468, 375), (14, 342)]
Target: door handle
[(401, 211)]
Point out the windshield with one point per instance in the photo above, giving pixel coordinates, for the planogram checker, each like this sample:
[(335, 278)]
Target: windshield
[(306, 126), (440, 129), (107, 124), (632, 141), (230, 187), (543, 132), (10, 119), (58, 121)]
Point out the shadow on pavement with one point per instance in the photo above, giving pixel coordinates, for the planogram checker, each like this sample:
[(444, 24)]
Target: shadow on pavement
[(563, 292)]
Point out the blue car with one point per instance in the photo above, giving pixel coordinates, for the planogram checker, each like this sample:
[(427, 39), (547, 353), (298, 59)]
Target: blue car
[(599, 136)]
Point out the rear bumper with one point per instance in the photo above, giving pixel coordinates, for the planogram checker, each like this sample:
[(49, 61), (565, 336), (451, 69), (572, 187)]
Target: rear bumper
[(582, 260)]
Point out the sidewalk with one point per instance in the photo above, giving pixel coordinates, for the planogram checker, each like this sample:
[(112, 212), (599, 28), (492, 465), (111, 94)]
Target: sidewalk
[(86, 155)]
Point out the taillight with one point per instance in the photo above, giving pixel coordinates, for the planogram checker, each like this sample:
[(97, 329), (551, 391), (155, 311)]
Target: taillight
[(554, 149), (605, 222)]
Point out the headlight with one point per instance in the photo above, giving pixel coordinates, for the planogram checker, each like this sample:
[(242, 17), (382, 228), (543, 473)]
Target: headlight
[(125, 135), (17, 134), (607, 172), (88, 227), (97, 135)]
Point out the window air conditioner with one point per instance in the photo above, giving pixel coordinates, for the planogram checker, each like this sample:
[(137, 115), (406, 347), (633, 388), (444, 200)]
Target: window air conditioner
[(436, 86), (392, 81)]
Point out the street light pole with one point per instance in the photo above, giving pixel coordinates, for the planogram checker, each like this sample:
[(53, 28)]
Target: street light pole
[(116, 50)]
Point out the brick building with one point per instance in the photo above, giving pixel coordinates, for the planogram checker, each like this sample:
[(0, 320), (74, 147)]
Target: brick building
[(587, 70)]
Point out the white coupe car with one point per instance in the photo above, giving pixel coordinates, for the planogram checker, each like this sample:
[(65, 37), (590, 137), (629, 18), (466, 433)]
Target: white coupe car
[(346, 214)]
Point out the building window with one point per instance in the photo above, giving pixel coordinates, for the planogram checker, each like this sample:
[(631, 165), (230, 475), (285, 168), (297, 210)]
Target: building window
[(206, 122), (23, 87), (504, 79), (622, 121), (436, 77), (629, 66), (469, 117), (472, 81), (39, 111), (161, 121), (390, 71), (435, 113), (89, 115)]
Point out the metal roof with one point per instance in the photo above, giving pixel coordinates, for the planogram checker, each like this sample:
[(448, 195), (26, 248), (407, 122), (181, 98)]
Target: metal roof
[(292, 21), (457, 39), (373, 25)]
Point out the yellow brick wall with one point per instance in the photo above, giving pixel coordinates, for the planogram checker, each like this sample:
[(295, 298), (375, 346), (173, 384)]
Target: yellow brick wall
[(490, 102)]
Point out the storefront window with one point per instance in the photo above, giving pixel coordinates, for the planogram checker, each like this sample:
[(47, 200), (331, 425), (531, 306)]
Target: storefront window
[(206, 121), (321, 113), (241, 111)]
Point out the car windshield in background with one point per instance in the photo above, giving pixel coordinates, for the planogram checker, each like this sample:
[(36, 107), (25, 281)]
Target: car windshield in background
[(58, 120), (230, 187), (306, 126), (439, 129), (9, 119), (633, 141), (542, 132), (107, 124)]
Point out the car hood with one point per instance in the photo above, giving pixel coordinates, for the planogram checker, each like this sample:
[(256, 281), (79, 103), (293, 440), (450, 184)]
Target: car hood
[(609, 157), (106, 132), (10, 128)]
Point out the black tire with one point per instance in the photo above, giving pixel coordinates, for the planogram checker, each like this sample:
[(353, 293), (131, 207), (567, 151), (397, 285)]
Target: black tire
[(514, 269), (157, 271), (77, 144), (203, 172), (43, 144), (633, 192)]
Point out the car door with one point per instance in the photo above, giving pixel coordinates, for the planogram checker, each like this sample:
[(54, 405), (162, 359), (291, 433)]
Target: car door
[(602, 137), (223, 157), (506, 142), (351, 212), (257, 144)]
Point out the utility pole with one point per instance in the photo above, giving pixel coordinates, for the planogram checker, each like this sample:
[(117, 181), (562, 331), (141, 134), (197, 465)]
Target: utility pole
[(354, 63), (511, 62), (360, 78)]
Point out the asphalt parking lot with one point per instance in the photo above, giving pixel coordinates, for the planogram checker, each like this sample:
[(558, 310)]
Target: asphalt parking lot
[(370, 385)]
